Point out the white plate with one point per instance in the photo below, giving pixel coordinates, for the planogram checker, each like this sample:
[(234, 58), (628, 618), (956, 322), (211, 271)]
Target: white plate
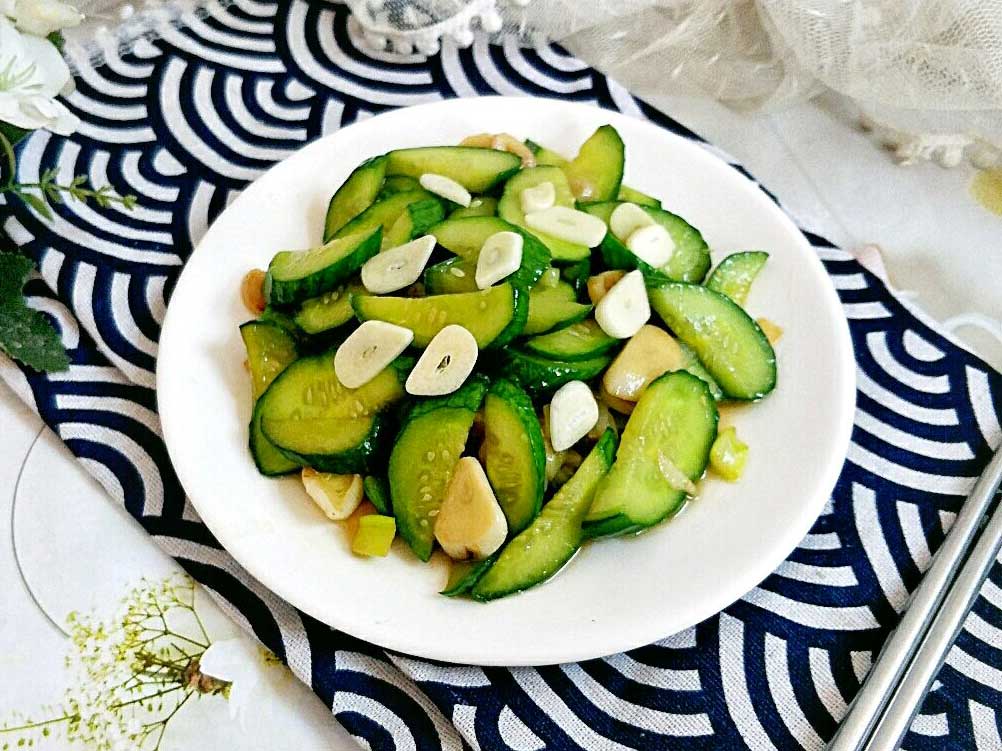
[(616, 594)]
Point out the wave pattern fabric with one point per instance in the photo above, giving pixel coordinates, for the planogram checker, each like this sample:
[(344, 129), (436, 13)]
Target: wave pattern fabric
[(186, 122)]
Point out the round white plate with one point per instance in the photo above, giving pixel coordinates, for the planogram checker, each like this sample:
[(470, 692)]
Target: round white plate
[(616, 594)]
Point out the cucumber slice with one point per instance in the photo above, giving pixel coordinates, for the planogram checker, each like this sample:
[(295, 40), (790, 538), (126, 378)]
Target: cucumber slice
[(552, 539), (330, 310), (270, 350), (514, 453), (294, 276), (355, 195), (482, 206), (313, 419), (545, 156), (494, 316), (689, 262), (626, 193), (397, 184), (596, 173), (734, 275), (430, 443), (384, 213), (579, 341), (692, 365), (577, 274), (677, 417), (450, 277), (415, 221), (377, 490), (477, 170), (553, 308), (730, 345), (464, 574), (510, 208), (541, 375)]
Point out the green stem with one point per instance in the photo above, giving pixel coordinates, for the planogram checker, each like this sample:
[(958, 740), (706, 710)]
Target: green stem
[(165, 692), (11, 159), (33, 725)]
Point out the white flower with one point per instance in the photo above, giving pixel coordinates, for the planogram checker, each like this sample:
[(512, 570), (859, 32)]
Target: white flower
[(32, 73), (41, 17), (244, 664)]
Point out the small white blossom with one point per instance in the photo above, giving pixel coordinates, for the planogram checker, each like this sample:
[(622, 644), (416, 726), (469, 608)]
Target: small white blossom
[(42, 17), (246, 667), (32, 73)]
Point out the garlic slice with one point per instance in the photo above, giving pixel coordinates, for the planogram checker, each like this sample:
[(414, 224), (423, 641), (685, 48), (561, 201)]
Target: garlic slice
[(568, 224), (651, 244), (500, 256), (538, 197), (397, 267), (627, 218), (445, 364), (470, 521), (573, 412), (369, 349), (337, 495), (446, 187), (625, 307)]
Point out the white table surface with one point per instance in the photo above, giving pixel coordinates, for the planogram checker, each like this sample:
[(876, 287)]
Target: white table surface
[(937, 242)]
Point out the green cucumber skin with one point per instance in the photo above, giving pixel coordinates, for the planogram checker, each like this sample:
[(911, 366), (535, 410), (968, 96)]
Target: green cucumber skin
[(483, 206), (547, 544), (632, 195), (735, 274), (397, 184), (540, 375), (355, 195), (728, 343), (579, 341), (365, 456), (474, 570), (293, 291), (383, 213), (545, 157), (377, 490), (439, 279), (599, 163), (689, 263), (676, 408), (270, 350), (415, 221), (520, 503), (413, 475), (478, 170), (318, 315)]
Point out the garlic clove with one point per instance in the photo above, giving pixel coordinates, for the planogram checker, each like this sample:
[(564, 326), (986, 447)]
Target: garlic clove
[(538, 197), (651, 352), (399, 267), (627, 218), (337, 495), (651, 244), (573, 412), (568, 224), (500, 256), (600, 284), (470, 521), (368, 350), (445, 364), (445, 187), (625, 307)]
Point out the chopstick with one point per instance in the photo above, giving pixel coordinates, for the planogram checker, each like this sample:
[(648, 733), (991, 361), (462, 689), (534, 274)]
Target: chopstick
[(923, 617)]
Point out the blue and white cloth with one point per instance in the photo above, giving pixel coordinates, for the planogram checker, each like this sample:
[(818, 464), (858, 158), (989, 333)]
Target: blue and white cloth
[(187, 121)]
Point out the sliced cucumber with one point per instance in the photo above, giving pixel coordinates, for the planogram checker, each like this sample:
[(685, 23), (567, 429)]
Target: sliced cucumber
[(355, 195), (633, 195), (482, 206), (596, 173), (545, 156), (315, 420), (726, 340), (689, 262), (494, 316), (510, 208), (692, 365), (464, 574), (541, 375), (477, 170), (579, 341), (552, 539), (450, 277), (294, 276), (553, 308), (514, 453), (415, 221), (397, 184), (384, 213), (577, 274), (675, 420), (330, 310), (734, 275), (377, 490), (270, 350), (430, 443)]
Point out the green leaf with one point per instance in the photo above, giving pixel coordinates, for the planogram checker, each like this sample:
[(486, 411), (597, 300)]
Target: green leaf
[(26, 334), (38, 204)]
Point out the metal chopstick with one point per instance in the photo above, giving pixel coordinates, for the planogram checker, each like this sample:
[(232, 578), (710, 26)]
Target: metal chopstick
[(903, 643), (946, 625)]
